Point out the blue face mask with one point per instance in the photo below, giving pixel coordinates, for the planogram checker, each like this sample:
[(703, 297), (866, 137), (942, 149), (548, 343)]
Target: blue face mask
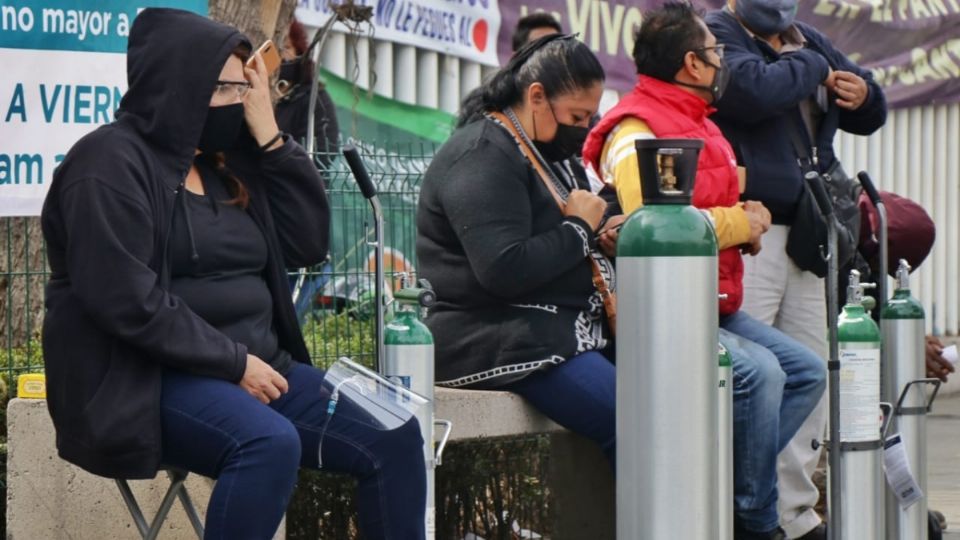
[(767, 17)]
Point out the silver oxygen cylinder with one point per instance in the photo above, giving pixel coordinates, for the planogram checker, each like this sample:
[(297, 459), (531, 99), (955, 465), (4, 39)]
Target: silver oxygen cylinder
[(902, 323), (667, 334), (862, 484), (725, 444), (408, 360)]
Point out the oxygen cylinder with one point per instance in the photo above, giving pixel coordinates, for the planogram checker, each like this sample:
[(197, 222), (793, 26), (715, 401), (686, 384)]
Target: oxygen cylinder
[(725, 447), (862, 484), (902, 321), (408, 360), (667, 334)]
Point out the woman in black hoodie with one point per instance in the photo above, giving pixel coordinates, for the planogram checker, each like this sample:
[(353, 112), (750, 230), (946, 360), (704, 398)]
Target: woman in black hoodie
[(170, 334)]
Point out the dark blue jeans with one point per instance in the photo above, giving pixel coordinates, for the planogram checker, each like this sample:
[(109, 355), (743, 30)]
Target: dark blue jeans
[(777, 381), (215, 428), (578, 394)]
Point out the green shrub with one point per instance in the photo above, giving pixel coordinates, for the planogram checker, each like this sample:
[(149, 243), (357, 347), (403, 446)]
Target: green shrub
[(331, 336), (27, 358)]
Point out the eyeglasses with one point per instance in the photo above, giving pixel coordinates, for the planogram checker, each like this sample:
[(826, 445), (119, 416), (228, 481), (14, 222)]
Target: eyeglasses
[(718, 48), (230, 90)]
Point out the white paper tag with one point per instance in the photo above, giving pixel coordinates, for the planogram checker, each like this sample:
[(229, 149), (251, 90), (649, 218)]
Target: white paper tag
[(896, 466), (859, 395), (950, 354)]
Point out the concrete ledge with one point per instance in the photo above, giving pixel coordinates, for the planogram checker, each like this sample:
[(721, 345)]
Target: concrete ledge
[(478, 414), (50, 499), (580, 479)]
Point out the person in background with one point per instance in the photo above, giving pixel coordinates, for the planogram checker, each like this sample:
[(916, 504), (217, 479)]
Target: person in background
[(529, 28), (170, 336), (787, 80), (776, 380), (293, 105), (533, 27), (509, 241), (937, 365)]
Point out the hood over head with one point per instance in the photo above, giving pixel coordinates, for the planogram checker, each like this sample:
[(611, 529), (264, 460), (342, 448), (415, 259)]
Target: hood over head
[(174, 59)]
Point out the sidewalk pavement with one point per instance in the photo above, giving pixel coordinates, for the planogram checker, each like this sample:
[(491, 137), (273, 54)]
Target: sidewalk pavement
[(943, 465)]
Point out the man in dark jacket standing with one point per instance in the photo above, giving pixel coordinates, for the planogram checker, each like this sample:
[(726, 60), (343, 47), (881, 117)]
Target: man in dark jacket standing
[(785, 76)]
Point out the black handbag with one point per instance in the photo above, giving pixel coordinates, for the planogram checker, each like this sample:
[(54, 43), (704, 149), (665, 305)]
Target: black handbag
[(807, 239)]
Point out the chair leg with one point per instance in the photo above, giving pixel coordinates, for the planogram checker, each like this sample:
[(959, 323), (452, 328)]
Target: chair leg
[(133, 507), (176, 490), (176, 485), (188, 507)]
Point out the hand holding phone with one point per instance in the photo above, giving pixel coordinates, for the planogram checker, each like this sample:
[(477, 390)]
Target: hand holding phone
[(271, 58), (257, 105)]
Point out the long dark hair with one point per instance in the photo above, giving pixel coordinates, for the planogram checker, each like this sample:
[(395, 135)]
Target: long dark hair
[(561, 63)]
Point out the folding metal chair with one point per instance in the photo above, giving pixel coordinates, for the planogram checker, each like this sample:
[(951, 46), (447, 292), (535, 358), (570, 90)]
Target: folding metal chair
[(176, 489)]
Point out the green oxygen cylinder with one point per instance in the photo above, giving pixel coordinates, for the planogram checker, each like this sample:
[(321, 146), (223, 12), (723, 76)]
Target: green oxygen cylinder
[(667, 334), (408, 360), (902, 321), (862, 485), (725, 447)]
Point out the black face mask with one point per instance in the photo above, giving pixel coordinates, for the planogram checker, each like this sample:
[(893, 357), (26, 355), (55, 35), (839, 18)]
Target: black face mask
[(290, 70), (222, 128), (721, 77), (567, 143)]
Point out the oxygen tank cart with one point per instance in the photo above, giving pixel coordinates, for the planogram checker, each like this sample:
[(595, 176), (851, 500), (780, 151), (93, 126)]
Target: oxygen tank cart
[(725, 446), (829, 254), (369, 191), (902, 322), (860, 444), (667, 355), (408, 360)]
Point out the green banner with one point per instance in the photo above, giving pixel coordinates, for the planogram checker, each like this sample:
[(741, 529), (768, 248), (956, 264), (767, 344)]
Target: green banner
[(383, 119)]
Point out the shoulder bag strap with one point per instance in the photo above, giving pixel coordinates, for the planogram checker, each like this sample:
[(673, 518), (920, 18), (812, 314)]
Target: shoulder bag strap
[(609, 298)]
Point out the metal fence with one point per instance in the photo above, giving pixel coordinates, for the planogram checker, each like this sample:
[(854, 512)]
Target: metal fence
[(23, 272), (335, 301), (917, 155)]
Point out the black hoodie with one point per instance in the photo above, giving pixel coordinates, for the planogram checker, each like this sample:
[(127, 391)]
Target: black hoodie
[(112, 325)]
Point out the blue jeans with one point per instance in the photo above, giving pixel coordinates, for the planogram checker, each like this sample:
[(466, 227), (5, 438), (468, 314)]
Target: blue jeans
[(215, 428), (579, 395), (777, 382)]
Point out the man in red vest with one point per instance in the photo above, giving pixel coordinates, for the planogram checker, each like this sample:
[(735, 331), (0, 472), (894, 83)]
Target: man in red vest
[(777, 380)]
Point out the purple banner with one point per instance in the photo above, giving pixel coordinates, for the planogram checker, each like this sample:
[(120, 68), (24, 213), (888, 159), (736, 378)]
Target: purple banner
[(912, 46)]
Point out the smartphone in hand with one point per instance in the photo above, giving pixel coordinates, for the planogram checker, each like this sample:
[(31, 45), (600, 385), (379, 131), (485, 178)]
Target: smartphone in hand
[(271, 57)]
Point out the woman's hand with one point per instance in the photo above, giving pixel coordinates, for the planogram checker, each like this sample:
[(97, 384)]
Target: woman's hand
[(586, 206), (257, 106), (608, 236), (262, 381)]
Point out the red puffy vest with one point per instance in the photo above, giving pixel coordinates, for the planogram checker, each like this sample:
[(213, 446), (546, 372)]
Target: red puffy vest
[(673, 113)]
